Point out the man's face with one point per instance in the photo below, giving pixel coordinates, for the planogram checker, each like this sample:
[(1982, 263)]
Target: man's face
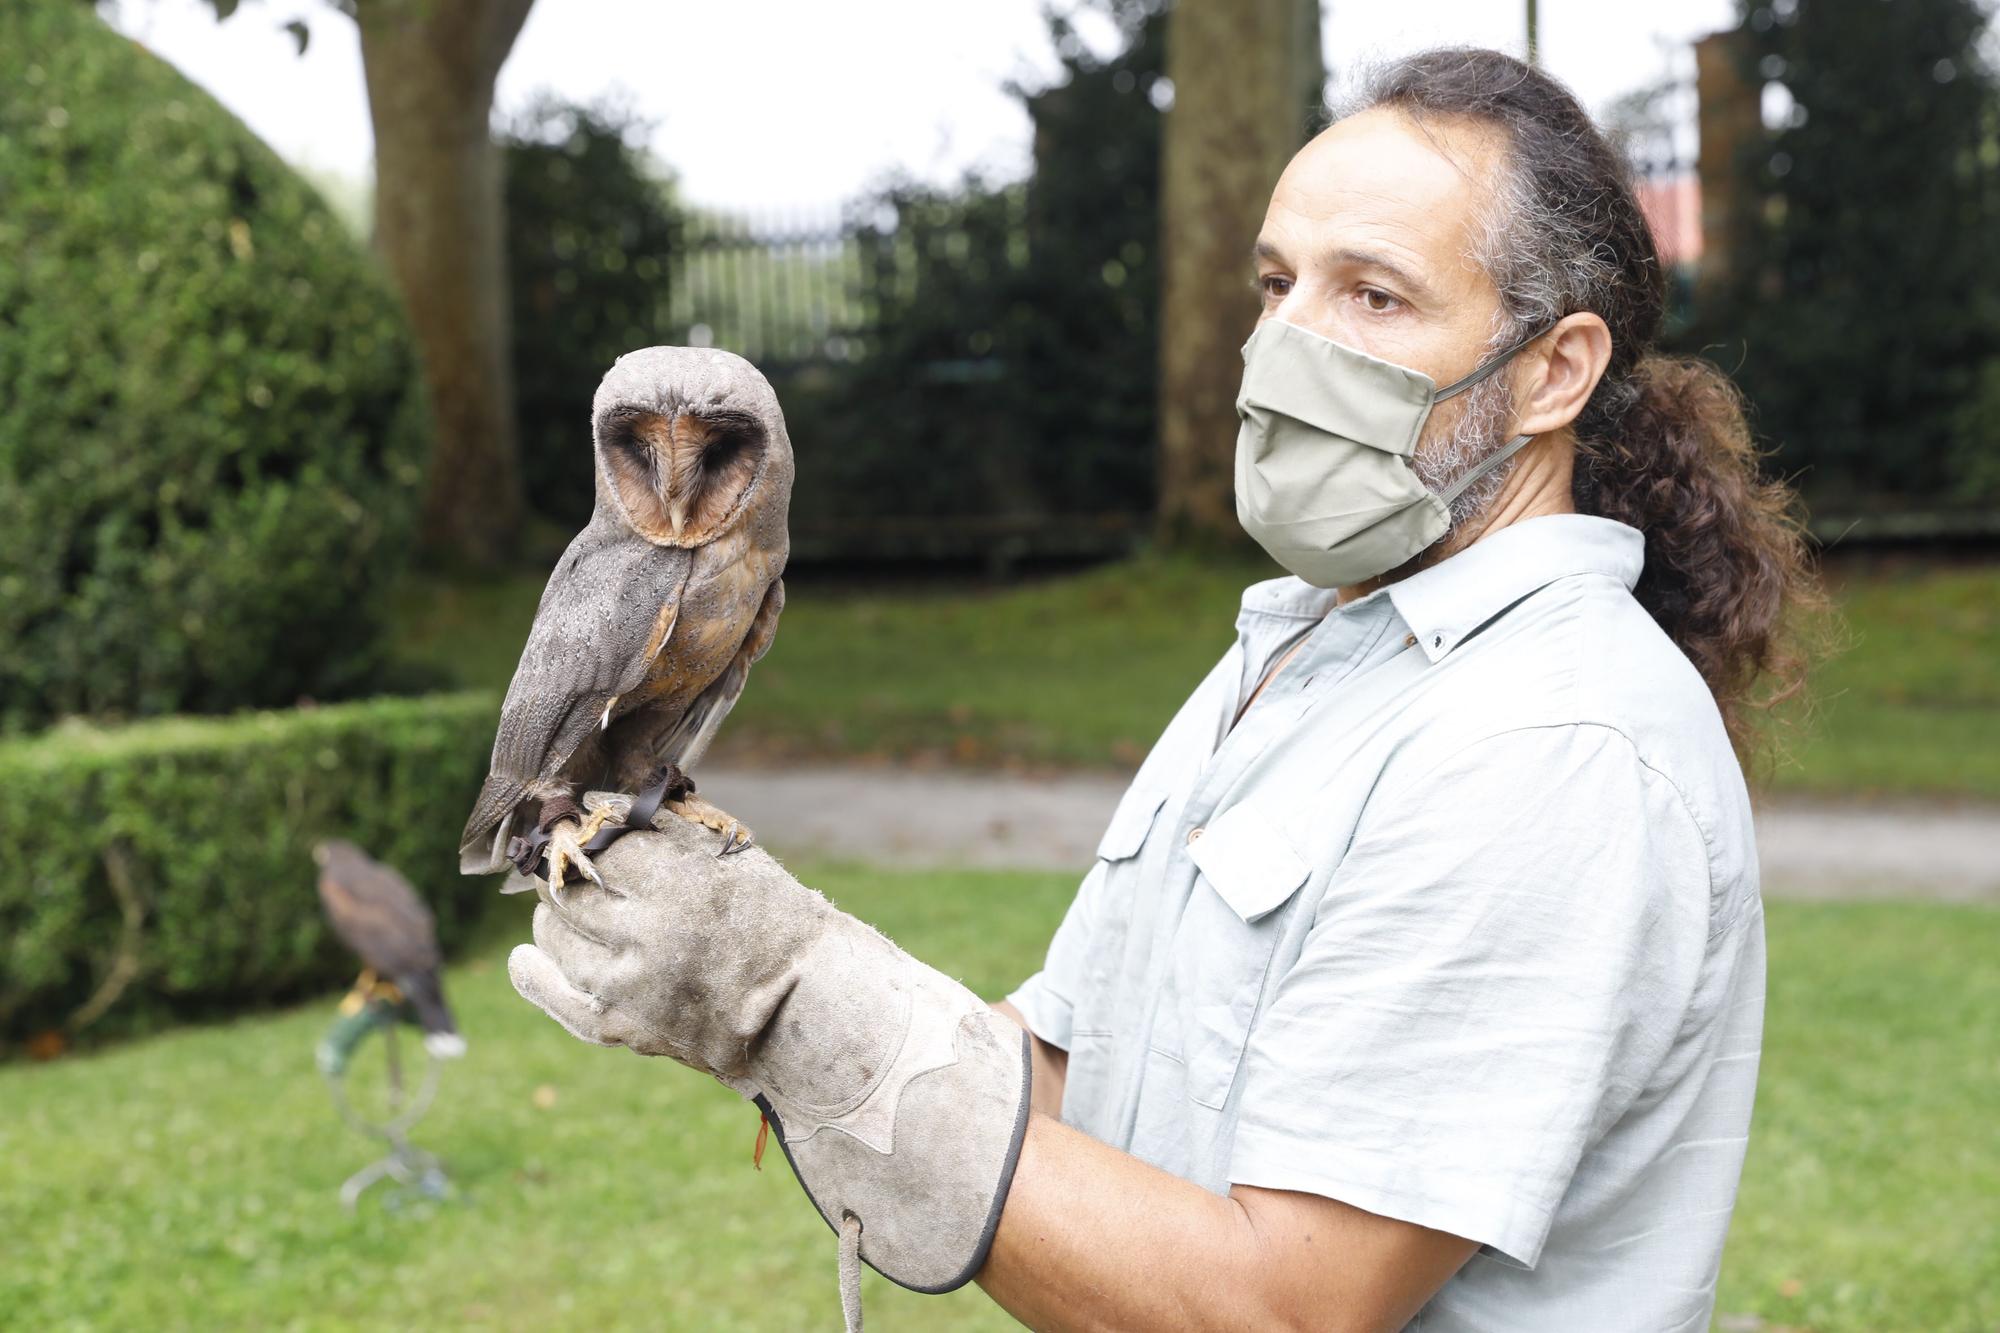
[(1368, 241)]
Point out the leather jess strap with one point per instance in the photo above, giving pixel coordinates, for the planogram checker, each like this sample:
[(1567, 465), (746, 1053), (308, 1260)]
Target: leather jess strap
[(528, 852)]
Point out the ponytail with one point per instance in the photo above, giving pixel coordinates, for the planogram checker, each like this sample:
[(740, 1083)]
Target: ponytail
[(1728, 574), (1662, 444)]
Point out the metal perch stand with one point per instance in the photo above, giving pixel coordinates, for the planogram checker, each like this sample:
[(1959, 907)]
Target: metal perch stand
[(408, 1165)]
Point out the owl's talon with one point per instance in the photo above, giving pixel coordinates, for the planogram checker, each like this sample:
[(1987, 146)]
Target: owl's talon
[(730, 843), (735, 834), (565, 851)]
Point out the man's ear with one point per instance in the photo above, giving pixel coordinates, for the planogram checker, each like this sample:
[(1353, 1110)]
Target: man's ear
[(1563, 368)]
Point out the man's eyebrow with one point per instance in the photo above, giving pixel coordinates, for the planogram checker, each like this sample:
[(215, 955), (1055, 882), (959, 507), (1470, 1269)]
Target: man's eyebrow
[(1361, 259), (1415, 286)]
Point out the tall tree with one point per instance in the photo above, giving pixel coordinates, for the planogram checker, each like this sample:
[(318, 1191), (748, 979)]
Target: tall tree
[(439, 221), (1247, 80)]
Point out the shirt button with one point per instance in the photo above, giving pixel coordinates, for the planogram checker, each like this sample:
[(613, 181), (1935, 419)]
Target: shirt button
[(1193, 834), (1409, 640)]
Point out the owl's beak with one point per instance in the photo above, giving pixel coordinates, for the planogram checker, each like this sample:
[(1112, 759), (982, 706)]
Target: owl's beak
[(677, 516)]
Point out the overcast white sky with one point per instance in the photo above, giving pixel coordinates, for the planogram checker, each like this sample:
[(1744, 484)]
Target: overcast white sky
[(764, 104)]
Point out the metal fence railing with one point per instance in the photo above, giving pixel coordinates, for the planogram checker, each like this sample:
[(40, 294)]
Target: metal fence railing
[(781, 289), (894, 333)]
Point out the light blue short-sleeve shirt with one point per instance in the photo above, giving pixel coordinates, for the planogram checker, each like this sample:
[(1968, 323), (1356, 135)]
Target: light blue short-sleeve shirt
[(1458, 924)]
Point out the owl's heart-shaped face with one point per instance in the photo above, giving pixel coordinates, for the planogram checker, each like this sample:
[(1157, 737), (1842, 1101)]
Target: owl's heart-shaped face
[(680, 479)]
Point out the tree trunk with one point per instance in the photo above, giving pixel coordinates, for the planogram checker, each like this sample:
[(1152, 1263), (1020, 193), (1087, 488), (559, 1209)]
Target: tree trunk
[(439, 220), (1731, 123), (1248, 79)]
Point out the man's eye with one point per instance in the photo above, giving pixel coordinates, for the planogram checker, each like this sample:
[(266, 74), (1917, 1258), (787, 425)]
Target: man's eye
[(1378, 300), (1275, 285)]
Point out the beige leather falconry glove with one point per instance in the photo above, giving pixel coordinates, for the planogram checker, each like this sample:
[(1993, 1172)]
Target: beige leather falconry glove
[(899, 1097)]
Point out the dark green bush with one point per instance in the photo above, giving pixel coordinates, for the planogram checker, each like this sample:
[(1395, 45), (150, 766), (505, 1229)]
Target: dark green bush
[(1005, 360), (1093, 274), (591, 234), (210, 427), (204, 828), (1864, 307)]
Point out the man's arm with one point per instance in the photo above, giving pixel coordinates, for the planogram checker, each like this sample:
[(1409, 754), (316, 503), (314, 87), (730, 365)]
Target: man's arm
[(1051, 1066), (1092, 1238)]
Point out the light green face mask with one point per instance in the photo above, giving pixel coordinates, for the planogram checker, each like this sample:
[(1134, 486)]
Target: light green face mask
[(1324, 479)]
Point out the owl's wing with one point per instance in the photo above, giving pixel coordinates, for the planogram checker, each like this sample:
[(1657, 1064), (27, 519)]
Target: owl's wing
[(608, 607), (689, 737)]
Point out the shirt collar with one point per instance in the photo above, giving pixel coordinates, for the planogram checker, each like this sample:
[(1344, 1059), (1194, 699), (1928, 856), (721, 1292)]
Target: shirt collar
[(1287, 598), (1444, 604)]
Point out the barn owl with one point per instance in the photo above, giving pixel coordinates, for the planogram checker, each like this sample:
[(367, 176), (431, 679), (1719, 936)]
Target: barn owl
[(654, 615)]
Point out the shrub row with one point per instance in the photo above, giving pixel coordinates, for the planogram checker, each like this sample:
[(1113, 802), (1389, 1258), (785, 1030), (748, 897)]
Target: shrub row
[(177, 853)]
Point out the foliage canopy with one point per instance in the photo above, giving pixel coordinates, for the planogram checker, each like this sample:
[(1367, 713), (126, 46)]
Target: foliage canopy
[(591, 236), (211, 439), (1867, 316)]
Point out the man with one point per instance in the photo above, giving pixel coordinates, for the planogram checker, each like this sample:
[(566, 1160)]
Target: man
[(1419, 979)]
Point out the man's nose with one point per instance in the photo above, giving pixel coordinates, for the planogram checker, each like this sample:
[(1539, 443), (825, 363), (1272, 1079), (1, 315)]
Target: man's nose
[(1310, 309)]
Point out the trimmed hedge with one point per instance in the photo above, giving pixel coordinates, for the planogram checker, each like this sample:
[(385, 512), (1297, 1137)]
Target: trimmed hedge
[(211, 429), (205, 828)]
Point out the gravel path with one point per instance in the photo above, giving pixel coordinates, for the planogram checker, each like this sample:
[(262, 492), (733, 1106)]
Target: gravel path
[(905, 817)]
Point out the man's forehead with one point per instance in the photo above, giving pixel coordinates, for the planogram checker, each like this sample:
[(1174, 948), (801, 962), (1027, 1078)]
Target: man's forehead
[(1378, 181)]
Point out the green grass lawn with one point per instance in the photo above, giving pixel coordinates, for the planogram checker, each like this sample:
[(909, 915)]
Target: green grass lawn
[(1912, 705), (1869, 1196), (1086, 669), (188, 1181)]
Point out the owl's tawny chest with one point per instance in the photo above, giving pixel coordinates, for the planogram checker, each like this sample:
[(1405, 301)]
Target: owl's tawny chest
[(724, 590)]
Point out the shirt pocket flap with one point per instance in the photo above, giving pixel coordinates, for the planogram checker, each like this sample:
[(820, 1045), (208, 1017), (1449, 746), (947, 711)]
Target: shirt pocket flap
[(1130, 823), (1248, 859)]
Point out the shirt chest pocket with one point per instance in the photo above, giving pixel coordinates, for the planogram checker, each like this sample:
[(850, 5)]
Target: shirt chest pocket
[(1250, 872), (1130, 823), (1114, 882)]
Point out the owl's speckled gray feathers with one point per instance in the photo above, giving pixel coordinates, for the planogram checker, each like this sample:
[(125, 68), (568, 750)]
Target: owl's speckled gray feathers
[(654, 615)]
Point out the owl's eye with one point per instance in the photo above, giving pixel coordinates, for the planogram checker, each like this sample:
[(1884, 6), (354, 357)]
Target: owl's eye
[(626, 429), (730, 434)]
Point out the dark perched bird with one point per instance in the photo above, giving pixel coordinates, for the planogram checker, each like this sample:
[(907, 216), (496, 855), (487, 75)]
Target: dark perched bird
[(654, 615), (378, 915)]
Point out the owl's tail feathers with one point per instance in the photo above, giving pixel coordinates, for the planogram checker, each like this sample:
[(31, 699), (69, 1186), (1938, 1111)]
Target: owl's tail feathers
[(482, 848), (486, 854)]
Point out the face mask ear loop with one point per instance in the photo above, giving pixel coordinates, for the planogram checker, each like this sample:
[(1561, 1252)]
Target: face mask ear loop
[(1460, 386), (1486, 465), (1513, 446)]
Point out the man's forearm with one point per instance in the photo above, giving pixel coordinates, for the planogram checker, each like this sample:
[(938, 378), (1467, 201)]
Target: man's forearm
[(1051, 1066), (1093, 1238)]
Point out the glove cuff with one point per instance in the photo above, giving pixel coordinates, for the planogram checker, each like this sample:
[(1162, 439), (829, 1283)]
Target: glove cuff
[(929, 1198)]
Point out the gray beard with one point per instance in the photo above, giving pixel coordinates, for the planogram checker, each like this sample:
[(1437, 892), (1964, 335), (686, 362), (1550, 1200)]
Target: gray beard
[(1479, 430)]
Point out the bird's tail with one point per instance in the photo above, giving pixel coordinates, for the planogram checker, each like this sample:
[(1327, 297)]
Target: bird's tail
[(426, 996), (486, 854), (482, 848)]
